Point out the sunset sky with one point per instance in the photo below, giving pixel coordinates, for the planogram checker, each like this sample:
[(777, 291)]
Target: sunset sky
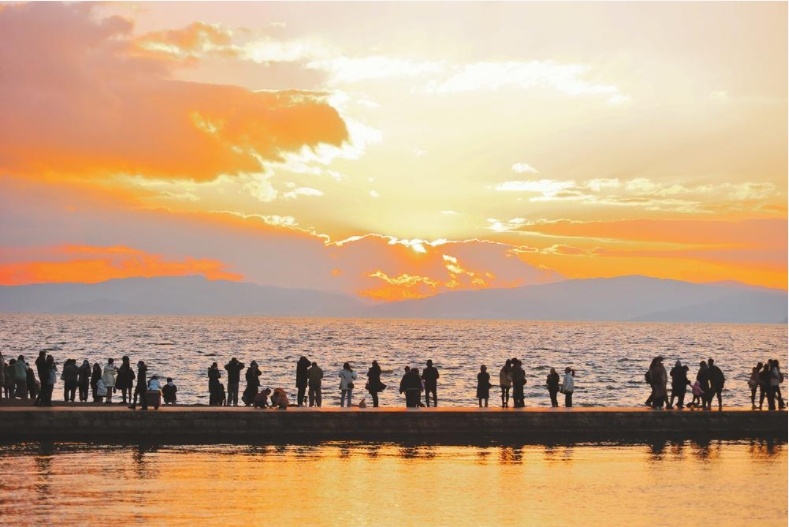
[(393, 150)]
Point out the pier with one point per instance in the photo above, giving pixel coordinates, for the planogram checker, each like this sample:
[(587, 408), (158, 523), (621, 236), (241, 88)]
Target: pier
[(207, 425)]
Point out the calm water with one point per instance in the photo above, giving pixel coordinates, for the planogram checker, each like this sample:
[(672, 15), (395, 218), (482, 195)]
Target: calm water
[(609, 358), (718, 483)]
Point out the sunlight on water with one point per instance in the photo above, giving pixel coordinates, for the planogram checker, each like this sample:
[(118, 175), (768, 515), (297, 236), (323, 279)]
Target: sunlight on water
[(686, 483), (609, 358)]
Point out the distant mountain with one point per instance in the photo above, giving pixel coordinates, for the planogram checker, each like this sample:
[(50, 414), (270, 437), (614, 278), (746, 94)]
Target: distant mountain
[(624, 298), (190, 295), (635, 298)]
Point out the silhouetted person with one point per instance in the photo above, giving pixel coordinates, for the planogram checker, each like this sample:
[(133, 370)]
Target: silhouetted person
[(411, 386), (483, 386), (302, 379), (83, 381), (753, 383), (20, 377), (95, 377), (552, 382), (776, 378), (141, 388), (42, 371), (659, 381), (374, 384), (33, 386), (252, 377), (518, 376), (569, 386), (2, 374), (233, 380), (70, 380), (125, 380), (314, 381), (48, 384), (430, 377), (679, 384), (216, 395), (716, 384), (703, 376), (505, 382), (169, 392)]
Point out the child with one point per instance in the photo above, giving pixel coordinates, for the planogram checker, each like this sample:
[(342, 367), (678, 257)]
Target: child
[(483, 385), (168, 391), (221, 395), (101, 391), (697, 393)]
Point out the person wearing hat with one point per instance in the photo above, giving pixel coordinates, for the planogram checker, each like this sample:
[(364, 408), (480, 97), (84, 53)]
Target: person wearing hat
[(679, 384)]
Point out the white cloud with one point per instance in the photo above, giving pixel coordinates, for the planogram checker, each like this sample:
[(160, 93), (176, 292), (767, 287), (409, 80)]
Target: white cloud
[(269, 50), (520, 168), (348, 70), (374, 194), (546, 187), (302, 191), (565, 78)]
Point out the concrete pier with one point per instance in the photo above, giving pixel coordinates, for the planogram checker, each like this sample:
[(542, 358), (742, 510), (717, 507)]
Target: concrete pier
[(207, 425)]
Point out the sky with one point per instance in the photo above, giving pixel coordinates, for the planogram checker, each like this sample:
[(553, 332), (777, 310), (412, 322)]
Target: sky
[(393, 150)]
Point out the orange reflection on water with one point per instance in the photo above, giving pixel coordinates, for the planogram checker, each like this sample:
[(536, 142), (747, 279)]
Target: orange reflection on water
[(394, 484)]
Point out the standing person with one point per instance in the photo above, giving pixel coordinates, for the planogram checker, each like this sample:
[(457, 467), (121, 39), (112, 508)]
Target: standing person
[(777, 377), (252, 377), (214, 386), (505, 382), (764, 386), (569, 386), (716, 384), (374, 384), (20, 377), (703, 376), (518, 376), (42, 371), (315, 380), (95, 377), (108, 376), (774, 386), (483, 385), (48, 383), (347, 376), (33, 386), (233, 380), (659, 381), (125, 380), (411, 386), (430, 377), (2, 374), (83, 381), (70, 380), (302, 379), (141, 388), (9, 380), (553, 386), (753, 383), (679, 384)]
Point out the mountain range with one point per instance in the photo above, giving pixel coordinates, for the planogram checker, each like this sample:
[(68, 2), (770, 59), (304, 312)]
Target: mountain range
[(628, 298)]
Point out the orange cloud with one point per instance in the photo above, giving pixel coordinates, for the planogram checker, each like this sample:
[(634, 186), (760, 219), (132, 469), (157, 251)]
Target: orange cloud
[(87, 264), (79, 98)]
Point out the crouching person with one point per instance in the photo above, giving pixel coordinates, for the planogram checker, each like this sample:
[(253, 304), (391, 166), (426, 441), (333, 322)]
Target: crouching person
[(169, 391), (279, 399), (261, 399)]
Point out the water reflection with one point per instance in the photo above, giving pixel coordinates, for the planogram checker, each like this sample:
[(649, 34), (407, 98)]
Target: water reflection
[(357, 483)]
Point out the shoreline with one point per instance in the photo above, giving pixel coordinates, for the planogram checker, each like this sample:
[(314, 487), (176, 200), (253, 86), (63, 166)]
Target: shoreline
[(209, 424)]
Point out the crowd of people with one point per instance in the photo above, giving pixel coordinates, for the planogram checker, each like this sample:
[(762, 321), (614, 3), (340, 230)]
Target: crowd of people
[(18, 380)]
